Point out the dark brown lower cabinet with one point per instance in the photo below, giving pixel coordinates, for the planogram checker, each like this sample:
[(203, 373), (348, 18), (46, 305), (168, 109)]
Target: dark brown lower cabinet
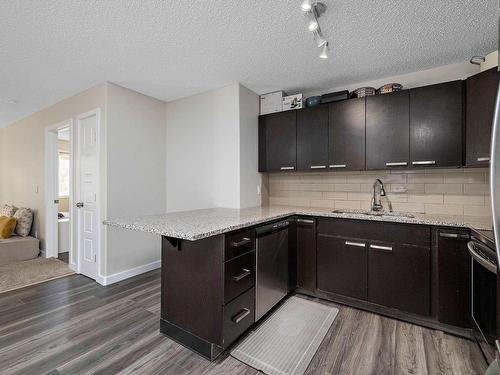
[(306, 254), (399, 276), (454, 277), (342, 266)]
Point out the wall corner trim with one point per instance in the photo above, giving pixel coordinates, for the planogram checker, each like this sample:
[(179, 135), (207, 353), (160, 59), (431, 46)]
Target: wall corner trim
[(119, 276)]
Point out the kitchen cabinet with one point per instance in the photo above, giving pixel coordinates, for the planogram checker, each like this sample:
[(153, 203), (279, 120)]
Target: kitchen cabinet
[(454, 277), (399, 276), (278, 142), (347, 135), (342, 266), (312, 138), (306, 254), (436, 125), (481, 94), (387, 130)]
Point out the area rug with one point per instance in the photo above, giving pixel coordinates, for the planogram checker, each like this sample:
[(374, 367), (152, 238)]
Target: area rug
[(21, 274), (287, 340)]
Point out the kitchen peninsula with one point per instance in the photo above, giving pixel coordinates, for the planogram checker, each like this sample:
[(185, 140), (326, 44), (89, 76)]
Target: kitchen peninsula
[(209, 266)]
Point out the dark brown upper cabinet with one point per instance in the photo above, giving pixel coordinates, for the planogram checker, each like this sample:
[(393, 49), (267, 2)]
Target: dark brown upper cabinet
[(387, 130), (481, 93), (347, 135), (278, 142), (312, 138), (436, 125)]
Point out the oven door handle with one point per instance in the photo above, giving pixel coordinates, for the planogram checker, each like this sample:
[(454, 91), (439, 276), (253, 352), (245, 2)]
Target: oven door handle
[(490, 267)]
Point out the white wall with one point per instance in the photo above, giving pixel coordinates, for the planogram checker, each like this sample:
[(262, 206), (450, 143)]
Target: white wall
[(250, 178), (135, 148), (212, 150), (414, 79)]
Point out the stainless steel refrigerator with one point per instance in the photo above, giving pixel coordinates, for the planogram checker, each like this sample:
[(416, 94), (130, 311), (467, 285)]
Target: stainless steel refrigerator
[(495, 199)]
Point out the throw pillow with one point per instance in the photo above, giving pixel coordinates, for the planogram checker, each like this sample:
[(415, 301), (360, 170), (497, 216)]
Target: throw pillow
[(24, 217), (7, 226), (7, 210)]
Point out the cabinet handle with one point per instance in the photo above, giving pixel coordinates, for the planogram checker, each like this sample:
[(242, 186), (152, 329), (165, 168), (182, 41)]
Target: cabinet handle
[(396, 164), (242, 275), (454, 235), (244, 241), (358, 244), (287, 168), (486, 158), (240, 316), (318, 166), (424, 162), (305, 221), (378, 247), (338, 166)]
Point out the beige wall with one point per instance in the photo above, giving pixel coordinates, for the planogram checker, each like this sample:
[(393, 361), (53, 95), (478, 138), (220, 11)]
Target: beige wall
[(23, 152), (438, 191), (135, 169)]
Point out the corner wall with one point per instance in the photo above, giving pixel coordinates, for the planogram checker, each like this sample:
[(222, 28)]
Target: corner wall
[(212, 150), (135, 167)]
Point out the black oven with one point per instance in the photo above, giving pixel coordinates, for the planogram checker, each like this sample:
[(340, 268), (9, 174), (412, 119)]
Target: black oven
[(484, 295)]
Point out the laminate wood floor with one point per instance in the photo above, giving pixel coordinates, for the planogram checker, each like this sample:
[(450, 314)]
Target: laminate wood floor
[(75, 326)]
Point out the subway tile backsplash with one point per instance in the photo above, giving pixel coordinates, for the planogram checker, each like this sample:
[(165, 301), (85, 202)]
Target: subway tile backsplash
[(463, 192)]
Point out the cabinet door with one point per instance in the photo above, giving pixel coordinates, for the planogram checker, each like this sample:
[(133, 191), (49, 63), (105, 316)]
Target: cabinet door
[(342, 266), (387, 130), (454, 278), (312, 138), (399, 276), (306, 254), (481, 93), (278, 142), (436, 125), (347, 135)]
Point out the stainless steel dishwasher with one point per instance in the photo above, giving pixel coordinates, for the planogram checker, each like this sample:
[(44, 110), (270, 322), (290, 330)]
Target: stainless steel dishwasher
[(272, 266)]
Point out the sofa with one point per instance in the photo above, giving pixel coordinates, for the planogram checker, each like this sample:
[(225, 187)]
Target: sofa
[(21, 245)]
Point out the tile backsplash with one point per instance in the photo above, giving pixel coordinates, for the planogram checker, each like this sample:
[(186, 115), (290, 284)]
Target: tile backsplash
[(463, 192)]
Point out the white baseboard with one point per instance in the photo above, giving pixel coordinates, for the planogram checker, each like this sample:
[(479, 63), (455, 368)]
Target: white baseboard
[(114, 278)]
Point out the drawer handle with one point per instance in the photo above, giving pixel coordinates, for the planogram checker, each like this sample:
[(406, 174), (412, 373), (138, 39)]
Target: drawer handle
[(358, 244), (240, 316), (378, 247), (287, 168), (244, 241), (318, 166), (454, 235), (424, 162), (396, 164), (486, 158), (242, 275), (338, 166), (305, 221)]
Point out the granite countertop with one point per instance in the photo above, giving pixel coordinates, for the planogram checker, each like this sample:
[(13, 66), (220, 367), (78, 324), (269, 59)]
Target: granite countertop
[(198, 224)]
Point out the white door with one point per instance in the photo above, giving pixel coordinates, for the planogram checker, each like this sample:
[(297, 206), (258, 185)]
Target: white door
[(87, 208)]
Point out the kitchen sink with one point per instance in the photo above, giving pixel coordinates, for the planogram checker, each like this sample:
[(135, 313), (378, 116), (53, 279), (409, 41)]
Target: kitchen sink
[(374, 213)]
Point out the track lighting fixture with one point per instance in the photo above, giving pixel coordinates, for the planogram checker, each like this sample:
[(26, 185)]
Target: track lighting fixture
[(324, 51), (313, 11)]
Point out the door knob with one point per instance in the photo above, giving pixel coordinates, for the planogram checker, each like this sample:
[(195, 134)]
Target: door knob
[(79, 204)]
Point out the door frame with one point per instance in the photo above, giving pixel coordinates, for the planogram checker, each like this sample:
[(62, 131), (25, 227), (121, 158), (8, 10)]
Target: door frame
[(77, 191), (51, 187)]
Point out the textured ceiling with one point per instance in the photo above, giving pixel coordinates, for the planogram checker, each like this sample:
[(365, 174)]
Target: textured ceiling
[(170, 49)]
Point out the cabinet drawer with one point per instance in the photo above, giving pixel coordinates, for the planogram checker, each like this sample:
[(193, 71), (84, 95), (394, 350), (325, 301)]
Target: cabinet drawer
[(239, 275), (238, 243), (410, 234), (239, 315)]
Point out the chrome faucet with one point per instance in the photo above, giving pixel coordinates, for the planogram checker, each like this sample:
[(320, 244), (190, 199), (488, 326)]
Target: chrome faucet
[(376, 204)]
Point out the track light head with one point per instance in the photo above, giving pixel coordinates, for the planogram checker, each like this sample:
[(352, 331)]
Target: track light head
[(324, 51)]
